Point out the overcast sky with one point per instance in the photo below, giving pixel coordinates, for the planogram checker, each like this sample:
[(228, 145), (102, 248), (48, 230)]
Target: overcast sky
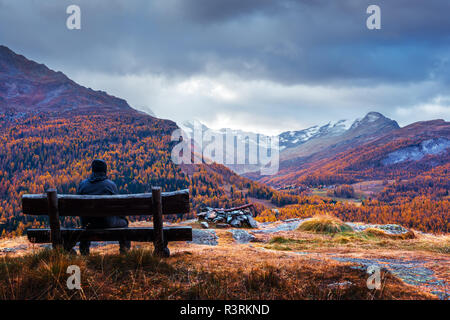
[(260, 65)]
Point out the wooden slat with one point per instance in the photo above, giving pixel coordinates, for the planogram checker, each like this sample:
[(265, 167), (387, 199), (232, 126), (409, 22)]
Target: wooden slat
[(131, 234), (157, 221), (176, 202), (53, 215)]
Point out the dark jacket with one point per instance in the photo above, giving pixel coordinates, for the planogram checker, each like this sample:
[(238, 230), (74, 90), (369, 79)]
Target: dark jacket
[(99, 184)]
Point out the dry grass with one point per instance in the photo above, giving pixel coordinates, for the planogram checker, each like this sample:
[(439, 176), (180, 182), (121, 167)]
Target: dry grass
[(42, 274), (325, 224), (201, 273), (382, 234), (307, 241)]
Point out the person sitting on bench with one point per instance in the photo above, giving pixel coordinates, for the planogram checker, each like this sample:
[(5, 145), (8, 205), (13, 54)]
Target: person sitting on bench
[(99, 184)]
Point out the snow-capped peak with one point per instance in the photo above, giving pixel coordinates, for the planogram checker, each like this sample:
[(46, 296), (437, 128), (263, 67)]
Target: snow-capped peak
[(371, 117)]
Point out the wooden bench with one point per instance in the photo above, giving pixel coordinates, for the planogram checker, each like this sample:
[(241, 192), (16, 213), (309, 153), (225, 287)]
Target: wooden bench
[(156, 203)]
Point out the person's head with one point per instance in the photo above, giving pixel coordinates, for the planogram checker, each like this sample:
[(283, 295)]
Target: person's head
[(99, 166)]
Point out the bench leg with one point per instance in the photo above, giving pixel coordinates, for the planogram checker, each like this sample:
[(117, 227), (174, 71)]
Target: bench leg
[(53, 215), (159, 241), (125, 246), (164, 252), (84, 247), (68, 246)]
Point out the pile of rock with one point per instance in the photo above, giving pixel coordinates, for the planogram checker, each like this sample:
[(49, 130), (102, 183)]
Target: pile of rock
[(235, 217)]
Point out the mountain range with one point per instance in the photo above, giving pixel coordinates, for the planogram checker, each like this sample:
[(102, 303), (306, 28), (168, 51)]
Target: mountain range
[(312, 150), (405, 153), (28, 88)]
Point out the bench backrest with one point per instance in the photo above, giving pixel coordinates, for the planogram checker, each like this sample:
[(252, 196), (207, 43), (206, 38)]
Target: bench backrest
[(176, 202)]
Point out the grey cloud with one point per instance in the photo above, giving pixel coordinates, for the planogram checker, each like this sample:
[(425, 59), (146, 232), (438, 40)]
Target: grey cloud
[(206, 11), (287, 41), (283, 43)]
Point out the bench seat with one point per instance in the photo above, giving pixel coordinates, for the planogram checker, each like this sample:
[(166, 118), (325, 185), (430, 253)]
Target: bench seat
[(74, 235)]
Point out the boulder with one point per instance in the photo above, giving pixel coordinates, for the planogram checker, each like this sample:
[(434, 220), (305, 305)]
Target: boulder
[(205, 237), (204, 224), (202, 215), (212, 215), (235, 223), (252, 222), (242, 236)]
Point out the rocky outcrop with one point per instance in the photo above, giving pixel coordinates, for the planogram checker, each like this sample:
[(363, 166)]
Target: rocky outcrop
[(206, 237), (235, 217), (393, 229), (412, 272), (242, 236)]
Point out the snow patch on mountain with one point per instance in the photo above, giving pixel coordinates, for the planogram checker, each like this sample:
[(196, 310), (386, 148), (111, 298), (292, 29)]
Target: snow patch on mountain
[(291, 139), (372, 117), (416, 153)]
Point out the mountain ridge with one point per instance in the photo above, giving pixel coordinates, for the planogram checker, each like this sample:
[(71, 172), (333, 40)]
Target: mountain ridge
[(368, 160), (29, 87)]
